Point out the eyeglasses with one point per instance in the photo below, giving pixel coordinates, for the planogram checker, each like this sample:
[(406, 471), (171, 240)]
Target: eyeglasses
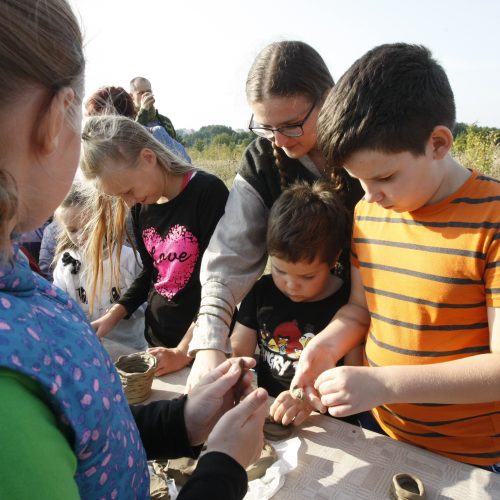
[(292, 130)]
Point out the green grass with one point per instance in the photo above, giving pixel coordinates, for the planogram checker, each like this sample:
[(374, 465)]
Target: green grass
[(224, 169), (470, 154)]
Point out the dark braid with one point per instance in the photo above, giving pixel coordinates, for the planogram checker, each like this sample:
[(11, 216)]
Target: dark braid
[(279, 165), (287, 69)]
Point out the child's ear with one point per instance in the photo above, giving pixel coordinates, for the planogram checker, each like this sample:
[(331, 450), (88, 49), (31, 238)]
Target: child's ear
[(441, 141), (51, 124), (148, 156)]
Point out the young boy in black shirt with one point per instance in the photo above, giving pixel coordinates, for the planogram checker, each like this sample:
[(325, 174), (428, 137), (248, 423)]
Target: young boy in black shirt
[(307, 230)]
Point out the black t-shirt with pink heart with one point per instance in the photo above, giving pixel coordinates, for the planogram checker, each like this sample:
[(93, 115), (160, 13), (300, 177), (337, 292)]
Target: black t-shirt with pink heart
[(171, 239)]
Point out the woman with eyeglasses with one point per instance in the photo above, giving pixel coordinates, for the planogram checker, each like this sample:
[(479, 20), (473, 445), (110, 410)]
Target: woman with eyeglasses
[(285, 88)]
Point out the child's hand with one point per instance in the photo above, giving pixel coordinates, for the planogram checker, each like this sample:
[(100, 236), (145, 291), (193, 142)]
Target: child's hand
[(286, 410), (109, 320), (346, 390), (169, 360), (314, 359)]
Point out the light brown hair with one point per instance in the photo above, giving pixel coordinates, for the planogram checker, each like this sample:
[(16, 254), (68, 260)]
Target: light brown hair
[(40, 45), (286, 69)]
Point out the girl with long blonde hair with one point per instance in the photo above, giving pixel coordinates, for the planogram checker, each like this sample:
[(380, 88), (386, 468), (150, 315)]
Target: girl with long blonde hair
[(174, 207), (118, 267)]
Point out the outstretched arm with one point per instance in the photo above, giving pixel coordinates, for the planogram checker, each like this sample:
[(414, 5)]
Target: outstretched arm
[(234, 259), (169, 360), (346, 331), (243, 340), (346, 390)]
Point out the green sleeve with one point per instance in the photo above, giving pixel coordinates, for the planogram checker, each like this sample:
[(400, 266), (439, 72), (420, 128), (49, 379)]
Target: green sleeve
[(36, 460), (146, 115)]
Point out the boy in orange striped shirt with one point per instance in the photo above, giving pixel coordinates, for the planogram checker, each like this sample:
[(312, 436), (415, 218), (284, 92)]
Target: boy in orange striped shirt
[(425, 293)]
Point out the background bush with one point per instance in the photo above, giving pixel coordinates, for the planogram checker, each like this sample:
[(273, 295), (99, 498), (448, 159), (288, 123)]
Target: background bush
[(478, 147), (218, 148)]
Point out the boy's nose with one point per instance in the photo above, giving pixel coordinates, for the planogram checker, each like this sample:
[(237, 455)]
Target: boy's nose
[(373, 196)]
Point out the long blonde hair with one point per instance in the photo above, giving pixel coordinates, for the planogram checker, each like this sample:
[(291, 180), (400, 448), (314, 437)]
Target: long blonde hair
[(40, 45), (110, 140), (84, 197)]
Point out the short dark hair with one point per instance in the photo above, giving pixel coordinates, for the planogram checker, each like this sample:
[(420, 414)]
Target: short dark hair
[(389, 100), (308, 222)]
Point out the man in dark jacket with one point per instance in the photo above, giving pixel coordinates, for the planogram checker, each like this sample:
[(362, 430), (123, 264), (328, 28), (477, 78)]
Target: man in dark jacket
[(147, 114)]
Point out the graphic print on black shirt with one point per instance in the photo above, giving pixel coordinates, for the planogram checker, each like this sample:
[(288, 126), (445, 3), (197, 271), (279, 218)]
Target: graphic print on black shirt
[(174, 258), (280, 351), (284, 328), (171, 238)]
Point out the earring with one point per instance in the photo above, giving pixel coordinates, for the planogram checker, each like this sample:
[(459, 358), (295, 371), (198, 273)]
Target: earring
[(338, 269)]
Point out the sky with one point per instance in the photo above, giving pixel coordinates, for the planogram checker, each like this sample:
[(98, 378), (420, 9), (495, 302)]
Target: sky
[(197, 53)]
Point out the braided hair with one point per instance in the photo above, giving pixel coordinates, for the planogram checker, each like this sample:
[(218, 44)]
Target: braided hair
[(286, 69)]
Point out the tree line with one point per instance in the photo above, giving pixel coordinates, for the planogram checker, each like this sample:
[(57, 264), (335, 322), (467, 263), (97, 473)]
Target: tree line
[(475, 146)]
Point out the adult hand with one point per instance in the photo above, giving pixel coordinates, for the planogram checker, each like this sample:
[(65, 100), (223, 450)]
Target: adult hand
[(204, 361), (169, 360), (288, 410), (109, 320), (214, 395), (346, 390), (147, 100), (239, 433)]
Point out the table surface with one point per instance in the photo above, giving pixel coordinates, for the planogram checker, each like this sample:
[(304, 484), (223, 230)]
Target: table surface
[(338, 460)]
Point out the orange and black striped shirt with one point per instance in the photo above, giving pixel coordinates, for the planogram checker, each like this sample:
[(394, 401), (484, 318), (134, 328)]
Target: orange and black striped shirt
[(429, 276)]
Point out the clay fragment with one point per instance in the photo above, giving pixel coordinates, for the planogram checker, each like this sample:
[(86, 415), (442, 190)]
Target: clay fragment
[(298, 393)]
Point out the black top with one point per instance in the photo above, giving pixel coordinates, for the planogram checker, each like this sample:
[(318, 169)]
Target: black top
[(171, 240), (254, 168), (284, 327), (163, 434)]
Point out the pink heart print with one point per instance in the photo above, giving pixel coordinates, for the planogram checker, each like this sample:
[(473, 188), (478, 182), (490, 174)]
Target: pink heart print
[(174, 258)]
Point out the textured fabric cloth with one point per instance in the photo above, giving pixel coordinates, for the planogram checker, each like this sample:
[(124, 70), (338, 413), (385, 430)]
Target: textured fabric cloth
[(171, 240), (429, 276), (73, 280), (236, 255), (162, 429), (283, 329), (45, 335)]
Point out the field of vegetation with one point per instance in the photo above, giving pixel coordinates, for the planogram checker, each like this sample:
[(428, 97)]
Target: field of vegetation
[(218, 149)]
